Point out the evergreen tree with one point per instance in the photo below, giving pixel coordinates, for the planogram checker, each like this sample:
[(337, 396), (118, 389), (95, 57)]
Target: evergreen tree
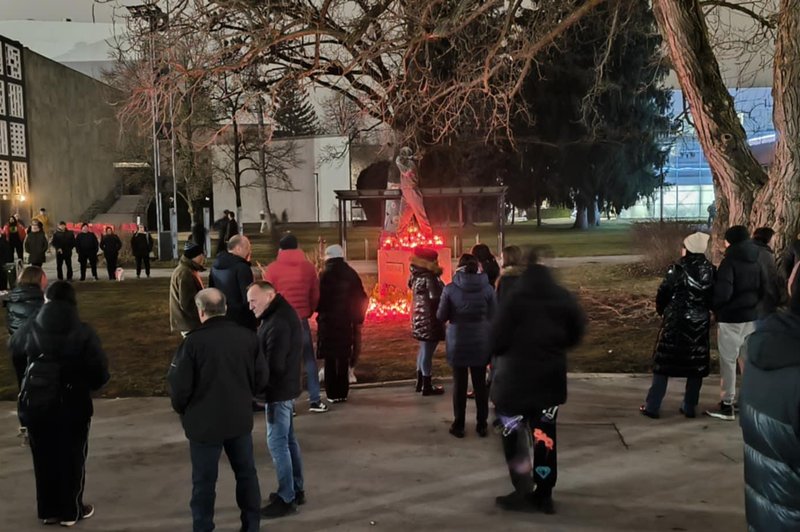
[(295, 115)]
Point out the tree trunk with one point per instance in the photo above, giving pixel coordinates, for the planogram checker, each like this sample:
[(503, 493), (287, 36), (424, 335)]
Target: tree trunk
[(778, 203), (538, 213), (262, 169), (593, 214), (581, 214), (736, 173)]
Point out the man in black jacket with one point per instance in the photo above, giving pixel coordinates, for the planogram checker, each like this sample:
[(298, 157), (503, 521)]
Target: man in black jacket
[(740, 286), (232, 274), (280, 340), (212, 379), (87, 246), (63, 242), (770, 419)]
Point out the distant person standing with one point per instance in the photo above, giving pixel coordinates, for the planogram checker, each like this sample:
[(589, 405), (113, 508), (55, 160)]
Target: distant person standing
[(233, 226), (426, 287), (488, 264), (141, 247), (295, 278), (468, 305), (214, 374), (340, 315), (739, 289), (712, 214), (43, 219), (184, 286), (14, 232), (87, 247), (263, 217), (280, 342), (63, 242), (36, 245), (58, 410), (232, 274), (111, 246), (221, 226)]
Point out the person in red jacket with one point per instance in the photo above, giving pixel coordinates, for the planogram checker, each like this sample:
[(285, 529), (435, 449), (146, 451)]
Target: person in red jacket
[(295, 278)]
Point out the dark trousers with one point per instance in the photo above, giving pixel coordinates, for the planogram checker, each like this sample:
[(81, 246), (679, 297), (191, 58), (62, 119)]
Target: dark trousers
[(205, 466), (16, 245), (64, 258), (460, 375), (658, 389), (59, 448), (92, 261), (111, 266), (530, 450), (337, 381), (143, 260)]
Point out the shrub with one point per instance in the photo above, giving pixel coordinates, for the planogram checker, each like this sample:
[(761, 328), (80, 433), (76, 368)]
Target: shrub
[(660, 242)]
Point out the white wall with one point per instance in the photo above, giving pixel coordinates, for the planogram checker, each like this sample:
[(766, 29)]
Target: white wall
[(314, 156)]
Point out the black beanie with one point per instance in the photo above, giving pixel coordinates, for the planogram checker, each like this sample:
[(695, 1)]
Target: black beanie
[(736, 234), (288, 242), (192, 250)]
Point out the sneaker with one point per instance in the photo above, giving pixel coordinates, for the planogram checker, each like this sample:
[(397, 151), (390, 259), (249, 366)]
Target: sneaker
[(278, 508), (687, 412), (319, 407), (724, 411), (88, 511), (299, 497), (515, 502), (471, 394), (645, 412), (337, 400), (50, 521)]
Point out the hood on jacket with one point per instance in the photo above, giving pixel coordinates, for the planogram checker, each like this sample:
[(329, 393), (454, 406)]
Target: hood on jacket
[(192, 265), (470, 282), (273, 307), (226, 261), (512, 271), (745, 251), (291, 256), (418, 263), (25, 292), (57, 318), (776, 342), (761, 245)]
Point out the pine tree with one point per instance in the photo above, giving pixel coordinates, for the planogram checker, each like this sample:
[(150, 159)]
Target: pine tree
[(295, 115)]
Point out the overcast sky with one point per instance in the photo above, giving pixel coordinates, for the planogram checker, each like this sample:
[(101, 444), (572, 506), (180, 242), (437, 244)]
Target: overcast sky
[(77, 10)]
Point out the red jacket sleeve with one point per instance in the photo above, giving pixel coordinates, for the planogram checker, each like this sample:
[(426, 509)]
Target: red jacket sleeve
[(313, 282)]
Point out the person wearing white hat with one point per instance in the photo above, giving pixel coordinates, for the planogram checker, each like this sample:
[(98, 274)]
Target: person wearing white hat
[(683, 346)]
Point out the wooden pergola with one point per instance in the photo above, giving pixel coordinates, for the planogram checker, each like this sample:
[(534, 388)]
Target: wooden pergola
[(498, 192)]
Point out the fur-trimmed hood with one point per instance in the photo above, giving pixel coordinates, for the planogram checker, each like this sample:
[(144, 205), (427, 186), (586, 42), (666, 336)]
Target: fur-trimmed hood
[(422, 264)]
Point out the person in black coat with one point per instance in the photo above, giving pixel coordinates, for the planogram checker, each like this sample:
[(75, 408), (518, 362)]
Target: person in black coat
[(232, 274), (426, 290), (111, 246), (63, 242), (468, 304), (6, 257), (534, 328), (682, 350), (280, 337), (770, 419), (141, 247), (739, 289), (340, 313), (221, 226), (488, 264), (212, 379), (775, 294), (510, 274), (25, 299), (58, 438), (87, 247), (791, 257)]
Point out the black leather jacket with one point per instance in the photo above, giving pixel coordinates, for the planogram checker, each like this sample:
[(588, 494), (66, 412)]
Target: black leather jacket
[(426, 288)]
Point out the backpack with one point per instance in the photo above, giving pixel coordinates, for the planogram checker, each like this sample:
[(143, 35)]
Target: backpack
[(40, 391)]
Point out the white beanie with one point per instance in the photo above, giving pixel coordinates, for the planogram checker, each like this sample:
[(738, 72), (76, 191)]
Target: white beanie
[(334, 252), (696, 242)]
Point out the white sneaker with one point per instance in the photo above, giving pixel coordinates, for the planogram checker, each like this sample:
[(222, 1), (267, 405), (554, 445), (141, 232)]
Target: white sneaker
[(351, 376), (88, 511), (318, 407)]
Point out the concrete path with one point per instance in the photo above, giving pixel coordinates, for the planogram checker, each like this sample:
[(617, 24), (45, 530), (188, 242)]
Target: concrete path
[(385, 462)]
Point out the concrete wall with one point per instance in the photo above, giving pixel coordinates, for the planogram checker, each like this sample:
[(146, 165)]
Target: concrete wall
[(300, 204), (72, 138)]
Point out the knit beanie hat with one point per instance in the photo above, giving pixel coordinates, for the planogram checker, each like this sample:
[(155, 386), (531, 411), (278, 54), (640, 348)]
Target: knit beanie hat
[(288, 242), (736, 234), (426, 254), (192, 250), (696, 242)]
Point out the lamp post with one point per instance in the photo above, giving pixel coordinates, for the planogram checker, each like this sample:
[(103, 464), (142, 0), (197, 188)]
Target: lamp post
[(157, 21)]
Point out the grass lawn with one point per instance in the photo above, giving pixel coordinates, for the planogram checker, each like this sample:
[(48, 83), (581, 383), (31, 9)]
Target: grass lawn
[(131, 319)]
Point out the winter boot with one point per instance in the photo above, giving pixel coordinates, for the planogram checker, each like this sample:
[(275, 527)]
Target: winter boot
[(429, 389), (419, 381)]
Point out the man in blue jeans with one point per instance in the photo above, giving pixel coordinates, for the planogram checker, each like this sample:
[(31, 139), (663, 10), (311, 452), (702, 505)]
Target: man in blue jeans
[(212, 380), (280, 340)]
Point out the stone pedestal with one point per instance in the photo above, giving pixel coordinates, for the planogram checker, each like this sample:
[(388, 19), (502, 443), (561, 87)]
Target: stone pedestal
[(393, 266)]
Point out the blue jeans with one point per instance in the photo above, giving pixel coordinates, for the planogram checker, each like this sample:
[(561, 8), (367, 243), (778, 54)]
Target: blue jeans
[(659, 388), (284, 449), (205, 464), (425, 357), (310, 361)]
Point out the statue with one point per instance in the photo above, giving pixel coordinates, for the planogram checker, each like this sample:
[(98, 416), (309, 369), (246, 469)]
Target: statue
[(411, 206)]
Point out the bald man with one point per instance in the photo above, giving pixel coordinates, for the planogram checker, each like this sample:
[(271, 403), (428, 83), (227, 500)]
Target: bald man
[(232, 274)]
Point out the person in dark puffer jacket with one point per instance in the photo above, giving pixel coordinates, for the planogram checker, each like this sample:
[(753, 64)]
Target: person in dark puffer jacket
[(426, 289), (111, 246), (25, 299), (468, 304), (684, 301), (232, 274), (87, 246), (534, 328), (340, 314), (740, 287), (770, 420)]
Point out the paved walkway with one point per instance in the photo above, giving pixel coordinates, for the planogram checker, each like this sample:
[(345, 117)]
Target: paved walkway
[(385, 462)]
